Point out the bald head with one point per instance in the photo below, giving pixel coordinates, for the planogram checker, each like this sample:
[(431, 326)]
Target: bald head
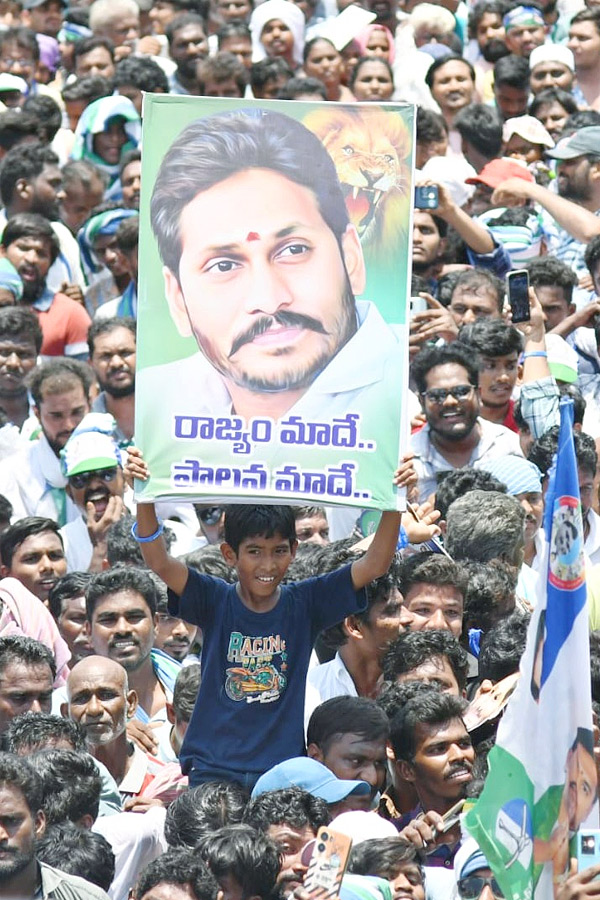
[(99, 699)]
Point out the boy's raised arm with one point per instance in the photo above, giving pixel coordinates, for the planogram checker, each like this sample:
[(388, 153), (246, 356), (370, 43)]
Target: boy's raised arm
[(380, 553), (173, 573)]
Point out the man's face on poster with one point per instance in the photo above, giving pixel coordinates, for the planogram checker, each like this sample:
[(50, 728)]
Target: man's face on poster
[(263, 285)]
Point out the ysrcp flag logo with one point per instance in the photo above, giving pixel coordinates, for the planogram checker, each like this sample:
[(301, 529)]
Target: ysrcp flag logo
[(514, 832)]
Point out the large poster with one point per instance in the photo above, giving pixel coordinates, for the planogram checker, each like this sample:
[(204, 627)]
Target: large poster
[(273, 295)]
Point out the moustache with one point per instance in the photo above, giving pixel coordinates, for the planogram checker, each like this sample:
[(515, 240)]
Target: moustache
[(459, 767), (282, 318)]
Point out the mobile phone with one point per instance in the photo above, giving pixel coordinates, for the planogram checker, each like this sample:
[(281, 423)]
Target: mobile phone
[(418, 305), (427, 196), (588, 849), (328, 863), (517, 289)]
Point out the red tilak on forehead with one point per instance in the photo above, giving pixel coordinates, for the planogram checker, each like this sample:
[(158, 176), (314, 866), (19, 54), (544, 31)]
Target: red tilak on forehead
[(253, 236)]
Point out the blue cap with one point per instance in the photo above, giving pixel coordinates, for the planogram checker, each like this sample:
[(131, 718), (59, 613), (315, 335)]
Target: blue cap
[(311, 776), (518, 474)]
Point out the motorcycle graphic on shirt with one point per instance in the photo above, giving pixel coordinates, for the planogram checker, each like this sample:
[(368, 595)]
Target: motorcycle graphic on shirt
[(256, 680)]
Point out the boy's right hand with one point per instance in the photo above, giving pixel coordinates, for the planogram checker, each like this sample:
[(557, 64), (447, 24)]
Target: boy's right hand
[(135, 467)]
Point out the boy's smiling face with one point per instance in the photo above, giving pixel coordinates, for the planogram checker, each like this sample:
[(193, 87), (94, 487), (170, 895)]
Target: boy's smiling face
[(261, 564)]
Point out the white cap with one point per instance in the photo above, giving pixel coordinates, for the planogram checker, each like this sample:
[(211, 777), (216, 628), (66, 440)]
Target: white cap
[(552, 53), (363, 826), (10, 82)]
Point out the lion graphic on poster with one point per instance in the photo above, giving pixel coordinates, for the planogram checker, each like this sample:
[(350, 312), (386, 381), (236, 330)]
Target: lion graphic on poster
[(370, 149)]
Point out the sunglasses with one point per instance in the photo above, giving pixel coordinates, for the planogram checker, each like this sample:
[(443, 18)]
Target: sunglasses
[(84, 478), (440, 395), (211, 515), (470, 888)]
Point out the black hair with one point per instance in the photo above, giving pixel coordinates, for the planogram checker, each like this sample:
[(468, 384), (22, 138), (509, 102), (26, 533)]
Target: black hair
[(105, 326), (221, 67), (23, 37), (77, 851), (15, 534), (384, 857), (83, 172), (88, 44), (587, 15), (427, 707), (592, 255), (503, 646), (182, 21), (18, 774), (210, 150), (579, 404), (185, 691), (6, 509), (233, 30), (71, 585), (21, 323), (133, 155), (490, 593), (480, 278), (71, 784), (202, 810), (90, 88), (431, 126), (209, 560), (24, 162), (481, 126), (595, 664), (486, 525), (583, 118), (15, 125), (512, 71), (491, 338), (346, 715), (431, 357), (311, 43), (553, 95), (413, 648), (379, 591), (302, 85), (121, 547), (142, 73), (181, 867), (244, 853), (545, 447), (127, 235), (441, 62), (482, 8), (269, 69), (551, 272), (290, 806), (59, 376), (48, 113), (115, 580), (243, 522), (458, 482), (32, 732), (431, 568), (30, 225), (369, 59)]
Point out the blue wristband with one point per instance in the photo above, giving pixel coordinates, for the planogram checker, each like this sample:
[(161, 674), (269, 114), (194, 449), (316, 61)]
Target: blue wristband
[(151, 537), (535, 353)]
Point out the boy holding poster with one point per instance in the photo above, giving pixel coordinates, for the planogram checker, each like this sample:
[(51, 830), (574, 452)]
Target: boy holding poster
[(258, 634)]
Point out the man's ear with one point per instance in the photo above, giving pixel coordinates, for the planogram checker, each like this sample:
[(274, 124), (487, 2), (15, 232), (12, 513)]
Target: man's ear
[(23, 189), (4, 571), (351, 626), (354, 260), (229, 554), (313, 751), (176, 303), (64, 710), (170, 712), (39, 823), (132, 704), (405, 770)]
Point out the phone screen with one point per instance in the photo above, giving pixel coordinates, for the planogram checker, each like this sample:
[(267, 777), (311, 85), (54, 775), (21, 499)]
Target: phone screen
[(518, 296)]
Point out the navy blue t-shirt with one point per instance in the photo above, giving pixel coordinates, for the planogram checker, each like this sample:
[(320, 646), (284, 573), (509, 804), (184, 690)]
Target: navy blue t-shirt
[(250, 708)]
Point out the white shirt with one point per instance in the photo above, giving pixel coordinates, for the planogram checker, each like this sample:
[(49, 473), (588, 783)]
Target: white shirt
[(330, 679), (26, 478), (136, 839), (495, 441)]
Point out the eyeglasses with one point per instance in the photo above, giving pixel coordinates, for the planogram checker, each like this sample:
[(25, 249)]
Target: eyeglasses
[(211, 515), (9, 62), (84, 478), (470, 888), (440, 395)]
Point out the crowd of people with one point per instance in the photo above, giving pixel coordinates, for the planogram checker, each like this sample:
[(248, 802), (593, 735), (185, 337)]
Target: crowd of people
[(189, 692)]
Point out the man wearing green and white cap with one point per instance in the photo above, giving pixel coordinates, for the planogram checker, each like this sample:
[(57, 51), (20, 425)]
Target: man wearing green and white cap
[(92, 464)]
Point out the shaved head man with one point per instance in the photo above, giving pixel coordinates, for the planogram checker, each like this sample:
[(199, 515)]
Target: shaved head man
[(99, 699)]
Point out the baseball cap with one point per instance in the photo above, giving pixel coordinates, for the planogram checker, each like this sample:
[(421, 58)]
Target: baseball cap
[(498, 170), (10, 82), (313, 777), (586, 140), (32, 4), (92, 446), (518, 474), (469, 859), (363, 826), (529, 128)]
